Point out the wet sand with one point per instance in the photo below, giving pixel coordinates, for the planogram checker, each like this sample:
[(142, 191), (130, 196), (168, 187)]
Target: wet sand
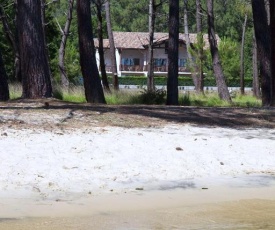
[(217, 207)]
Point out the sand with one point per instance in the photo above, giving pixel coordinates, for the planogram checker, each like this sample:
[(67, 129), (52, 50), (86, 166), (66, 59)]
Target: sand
[(73, 174)]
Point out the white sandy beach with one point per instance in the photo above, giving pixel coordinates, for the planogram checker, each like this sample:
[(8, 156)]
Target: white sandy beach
[(41, 169)]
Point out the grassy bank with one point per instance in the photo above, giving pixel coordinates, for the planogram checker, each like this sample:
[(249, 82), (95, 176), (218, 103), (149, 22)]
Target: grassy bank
[(127, 97)]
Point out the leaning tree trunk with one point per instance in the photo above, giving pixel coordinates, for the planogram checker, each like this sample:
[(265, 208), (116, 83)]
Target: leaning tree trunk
[(263, 40), (14, 45), (217, 67), (272, 35), (100, 48), (242, 57), (35, 70), (4, 88), (256, 82), (152, 17), (191, 62), (61, 53), (112, 45), (173, 53), (93, 88), (200, 45)]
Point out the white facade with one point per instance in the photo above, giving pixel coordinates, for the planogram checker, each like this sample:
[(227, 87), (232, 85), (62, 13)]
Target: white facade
[(134, 61)]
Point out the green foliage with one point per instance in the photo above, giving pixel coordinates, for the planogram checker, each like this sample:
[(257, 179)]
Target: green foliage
[(148, 97), (185, 100), (130, 15), (230, 58), (5, 46), (182, 81), (246, 101), (73, 94), (121, 97), (211, 99), (15, 90)]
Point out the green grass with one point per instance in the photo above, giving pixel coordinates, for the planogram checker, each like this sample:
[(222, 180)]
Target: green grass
[(212, 100), (121, 97), (130, 97), (73, 94), (15, 90), (246, 101)]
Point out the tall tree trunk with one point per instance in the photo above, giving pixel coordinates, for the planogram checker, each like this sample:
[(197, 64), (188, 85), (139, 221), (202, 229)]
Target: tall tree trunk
[(256, 82), (192, 64), (112, 45), (44, 24), (200, 45), (36, 80), (100, 47), (11, 38), (272, 35), (152, 17), (4, 88), (242, 57), (61, 52), (217, 68), (173, 53), (93, 88), (17, 61), (262, 34)]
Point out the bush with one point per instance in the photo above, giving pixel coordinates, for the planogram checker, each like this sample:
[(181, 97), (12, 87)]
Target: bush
[(156, 97), (182, 81), (185, 100)]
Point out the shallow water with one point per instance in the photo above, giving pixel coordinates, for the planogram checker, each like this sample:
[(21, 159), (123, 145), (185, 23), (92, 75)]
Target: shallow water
[(217, 207)]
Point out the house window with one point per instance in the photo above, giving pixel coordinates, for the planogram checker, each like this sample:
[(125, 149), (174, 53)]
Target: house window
[(130, 61), (159, 62), (182, 62)]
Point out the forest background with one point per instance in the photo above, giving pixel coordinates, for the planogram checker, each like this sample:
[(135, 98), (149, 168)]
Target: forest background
[(132, 16)]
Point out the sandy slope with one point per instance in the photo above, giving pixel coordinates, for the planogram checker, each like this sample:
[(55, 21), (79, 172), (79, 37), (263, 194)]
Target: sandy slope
[(64, 163)]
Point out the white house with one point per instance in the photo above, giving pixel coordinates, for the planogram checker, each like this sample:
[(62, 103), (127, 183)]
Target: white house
[(132, 53)]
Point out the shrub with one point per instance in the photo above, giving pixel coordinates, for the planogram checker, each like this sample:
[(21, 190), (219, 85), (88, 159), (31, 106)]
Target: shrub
[(148, 97)]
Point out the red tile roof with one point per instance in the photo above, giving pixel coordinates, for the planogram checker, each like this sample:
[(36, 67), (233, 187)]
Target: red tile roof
[(137, 40)]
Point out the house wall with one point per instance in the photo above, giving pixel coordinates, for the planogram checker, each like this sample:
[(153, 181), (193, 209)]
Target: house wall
[(140, 54), (160, 52), (133, 53)]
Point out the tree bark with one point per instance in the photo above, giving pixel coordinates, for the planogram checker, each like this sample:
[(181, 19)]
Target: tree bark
[(256, 82), (173, 53), (100, 47), (35, 70), (262, 34), (192, 64), (272, 35), (152, 17), (44, 24), (93, 88), (11, 38), (4, 88), (200, 45), (242, 57), (112, 45), (61, 52), (217, 68)]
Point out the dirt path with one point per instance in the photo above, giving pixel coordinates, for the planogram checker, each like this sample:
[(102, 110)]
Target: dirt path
[(57, 114)]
